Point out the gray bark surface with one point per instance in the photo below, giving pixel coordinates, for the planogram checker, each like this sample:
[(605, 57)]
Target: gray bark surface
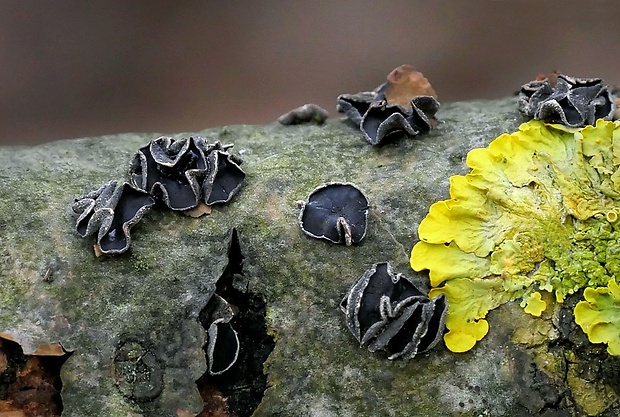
[(153, 294)]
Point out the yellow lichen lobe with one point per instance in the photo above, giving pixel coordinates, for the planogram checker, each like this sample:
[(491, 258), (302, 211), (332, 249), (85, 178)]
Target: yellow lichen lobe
[(447, 262), (599, 315), (469, 302), (534, 304)]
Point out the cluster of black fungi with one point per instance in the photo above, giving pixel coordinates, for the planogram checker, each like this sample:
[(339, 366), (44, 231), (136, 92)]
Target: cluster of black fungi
[(379, 119), (180, 174), (573, 102), (386, 312)]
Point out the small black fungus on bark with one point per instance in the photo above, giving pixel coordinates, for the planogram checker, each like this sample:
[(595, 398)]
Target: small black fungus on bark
[(222, 341), (406, 103), (386, 312), (573, 102), (239, 388), (182, 173), (308, 113), (224, 180), (337, 212), (110, 212), (187, 174)]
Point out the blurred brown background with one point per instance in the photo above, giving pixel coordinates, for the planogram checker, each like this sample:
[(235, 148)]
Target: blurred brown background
[(83, 68)]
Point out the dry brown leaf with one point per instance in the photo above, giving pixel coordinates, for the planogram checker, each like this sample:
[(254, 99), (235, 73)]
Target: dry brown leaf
[(552, 77), (53, 349), (199, 210), (34, 390), (98, 251), (404, 83), (7, 336), (214, 403)]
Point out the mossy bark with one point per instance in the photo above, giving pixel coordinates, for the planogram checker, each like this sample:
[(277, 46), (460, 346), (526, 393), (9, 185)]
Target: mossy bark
[(54, 290)]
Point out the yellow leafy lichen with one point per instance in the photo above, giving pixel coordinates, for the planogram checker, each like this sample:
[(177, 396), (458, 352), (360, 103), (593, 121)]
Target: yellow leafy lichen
[(534, 304), (539, 211), (599, 315)]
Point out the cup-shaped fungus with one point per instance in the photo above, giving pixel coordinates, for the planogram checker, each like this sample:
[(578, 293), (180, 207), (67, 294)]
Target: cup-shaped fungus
[(387, 312), (337, 212), (170, 170), (180, 173), (183, 172), (222, 340), (110, 212), (224, 180), (572, 102), (406, 103)]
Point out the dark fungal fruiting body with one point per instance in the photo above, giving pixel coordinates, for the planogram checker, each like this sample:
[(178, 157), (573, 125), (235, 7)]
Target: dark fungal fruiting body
[(169, 170), (573, 102), (243, 383), (187, 174), (110, 212), (224, 181), (386, 312), (222, 341), (406, 103), (182, 173), (337, 212)]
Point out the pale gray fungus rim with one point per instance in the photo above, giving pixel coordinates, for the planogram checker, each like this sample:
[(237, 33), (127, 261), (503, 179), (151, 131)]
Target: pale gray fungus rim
[(221, 337), (307, 114)]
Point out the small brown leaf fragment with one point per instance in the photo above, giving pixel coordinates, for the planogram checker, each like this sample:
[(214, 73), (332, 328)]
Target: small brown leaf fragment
[(552, 77), (53, 349), (7, 336), (404, 83), (198, 211), (98, 251)]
